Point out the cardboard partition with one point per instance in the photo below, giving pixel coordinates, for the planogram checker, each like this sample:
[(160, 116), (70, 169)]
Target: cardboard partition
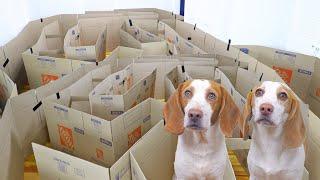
[(315, 82), (8, 89), (109, 142), (122, 91), (178, 44), (86, 41), (294, 68), (150, 48), (159, 146)]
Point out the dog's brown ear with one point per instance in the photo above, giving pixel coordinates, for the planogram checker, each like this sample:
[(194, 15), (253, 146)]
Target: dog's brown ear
[(229, 113), (246, 117), (294, 129), (173, 113)]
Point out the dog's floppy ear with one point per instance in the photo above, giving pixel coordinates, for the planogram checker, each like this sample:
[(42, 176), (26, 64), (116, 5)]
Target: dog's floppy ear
[(294, 128), (173, 113), (246, 117), (229, 113)]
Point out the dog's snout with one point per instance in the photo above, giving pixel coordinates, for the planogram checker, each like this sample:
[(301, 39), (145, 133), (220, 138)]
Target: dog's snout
[(195, 114), (266, 109)]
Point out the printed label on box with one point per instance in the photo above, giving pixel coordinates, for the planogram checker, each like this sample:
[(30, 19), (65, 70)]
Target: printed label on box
[(66, 138), (46, 78), (134, 136), (99, 153), (285, 74), (305, 72), (62, 165)]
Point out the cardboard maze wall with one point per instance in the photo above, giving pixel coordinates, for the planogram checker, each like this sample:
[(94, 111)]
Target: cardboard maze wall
[(24, 118)]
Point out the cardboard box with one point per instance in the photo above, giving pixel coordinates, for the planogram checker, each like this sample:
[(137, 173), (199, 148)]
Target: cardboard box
[(159, 146), (178, 45), (121, 91), (44, 62), (82, 42), (102, 142), (294, 68)]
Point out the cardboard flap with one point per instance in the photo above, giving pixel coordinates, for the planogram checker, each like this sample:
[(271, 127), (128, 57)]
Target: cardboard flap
[(128, 41), (55, 164)]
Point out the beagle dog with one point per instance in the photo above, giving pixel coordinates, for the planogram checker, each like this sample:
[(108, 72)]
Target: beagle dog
[(201, 113), (276, 152)]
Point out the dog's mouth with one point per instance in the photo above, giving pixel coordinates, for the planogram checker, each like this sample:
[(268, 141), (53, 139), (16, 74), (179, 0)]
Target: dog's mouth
[(195, 127), (265, 121)]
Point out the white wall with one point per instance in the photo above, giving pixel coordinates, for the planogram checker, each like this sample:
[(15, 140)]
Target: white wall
[(15, 14), (292, 25)]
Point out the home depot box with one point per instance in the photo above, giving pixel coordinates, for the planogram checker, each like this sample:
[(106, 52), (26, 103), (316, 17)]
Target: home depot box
[(102, 142), (44, 62), (157, 147), (94, 140), (82, 42), (294, 68), (122, 91)]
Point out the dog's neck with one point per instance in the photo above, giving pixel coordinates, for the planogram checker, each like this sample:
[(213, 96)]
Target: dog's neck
[(202, 143), (268, 140)]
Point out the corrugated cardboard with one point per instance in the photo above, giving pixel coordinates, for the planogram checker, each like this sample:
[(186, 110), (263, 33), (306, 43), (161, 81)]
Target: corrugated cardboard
[(99, 141), (82, 42), (159, 146), (122, 91)]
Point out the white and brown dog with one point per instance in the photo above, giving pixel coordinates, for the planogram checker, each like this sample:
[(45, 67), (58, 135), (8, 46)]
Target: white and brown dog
[(278, 132), (201, 112)]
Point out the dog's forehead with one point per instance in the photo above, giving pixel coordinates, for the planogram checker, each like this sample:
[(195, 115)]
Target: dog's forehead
[(270, 86), (200, 85)]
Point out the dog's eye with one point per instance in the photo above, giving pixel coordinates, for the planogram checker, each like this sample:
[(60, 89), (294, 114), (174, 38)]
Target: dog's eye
[(259, 92), (188, 93), (283, 96), (211, 96)]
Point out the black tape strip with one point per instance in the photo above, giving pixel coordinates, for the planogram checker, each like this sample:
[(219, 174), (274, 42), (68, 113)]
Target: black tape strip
[(175, 16), (172, 13), (97, 63), (41, 20), (194, 27), (189, 38), (31, 50), (182, 68), (5, 63), (58, 95), (228, 47), (37, 106), (130, 22), (164, 122), (261, 77), (170, 52)]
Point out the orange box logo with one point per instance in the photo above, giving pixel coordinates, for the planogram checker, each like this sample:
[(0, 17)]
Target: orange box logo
[(134, 136), (318, 92), (46, 78), (66, 138), (99, 154), (285, 74)]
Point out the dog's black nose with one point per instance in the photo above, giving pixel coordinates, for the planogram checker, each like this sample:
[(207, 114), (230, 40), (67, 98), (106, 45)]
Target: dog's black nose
[(195, 114)]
